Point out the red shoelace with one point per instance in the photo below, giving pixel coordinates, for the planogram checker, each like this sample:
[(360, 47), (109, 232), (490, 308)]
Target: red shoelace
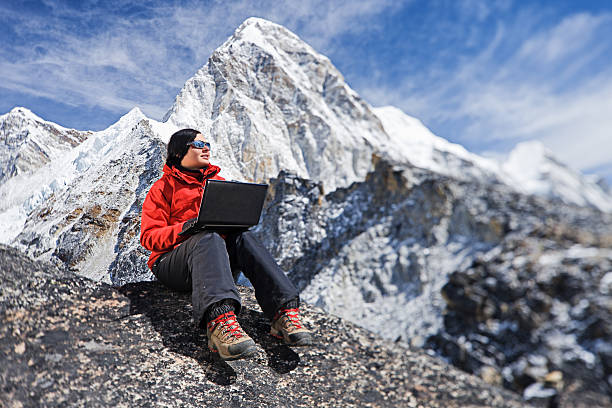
[(292, 315), (229, 322)]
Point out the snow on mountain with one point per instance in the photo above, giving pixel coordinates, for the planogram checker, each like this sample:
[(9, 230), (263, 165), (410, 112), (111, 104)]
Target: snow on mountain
[(87, 222), (26, 192), (533, 169), (28, 142), (530, 168), (410, 139), (270, 102)]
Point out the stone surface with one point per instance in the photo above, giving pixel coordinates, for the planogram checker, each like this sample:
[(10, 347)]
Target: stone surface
[(478, 273), (536, 311), (69, 341)]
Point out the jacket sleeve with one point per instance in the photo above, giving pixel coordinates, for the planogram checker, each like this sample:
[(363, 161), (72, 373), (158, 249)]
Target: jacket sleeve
[(156, 234)]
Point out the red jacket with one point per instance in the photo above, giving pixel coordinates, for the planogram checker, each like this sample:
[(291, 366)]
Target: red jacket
[(172, 200)]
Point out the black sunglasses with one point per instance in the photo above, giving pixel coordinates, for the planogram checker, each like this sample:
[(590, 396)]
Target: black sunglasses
[(198, 144)]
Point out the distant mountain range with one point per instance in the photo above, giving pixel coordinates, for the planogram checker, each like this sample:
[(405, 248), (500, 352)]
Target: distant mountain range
[(377, 219)]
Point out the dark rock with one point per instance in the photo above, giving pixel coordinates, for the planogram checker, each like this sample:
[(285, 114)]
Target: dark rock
[(546, 315), (69, 341)]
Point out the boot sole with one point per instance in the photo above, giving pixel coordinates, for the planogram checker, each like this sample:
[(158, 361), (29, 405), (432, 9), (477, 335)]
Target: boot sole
[(298, 343), (249, 352)]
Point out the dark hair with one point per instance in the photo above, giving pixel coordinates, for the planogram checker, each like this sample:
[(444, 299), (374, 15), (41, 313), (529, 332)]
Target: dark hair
[(177, 146)]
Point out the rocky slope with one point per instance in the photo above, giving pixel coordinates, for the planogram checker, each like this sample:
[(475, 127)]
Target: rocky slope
[(496, 281), (536, 322), (69, 341)]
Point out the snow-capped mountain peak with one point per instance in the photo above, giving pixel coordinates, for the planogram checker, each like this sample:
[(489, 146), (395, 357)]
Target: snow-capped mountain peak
[(269, 102), (531, 162), (533, 169), (410, 139), (25, 113), (298, 57), (264, 33), (28, 142)]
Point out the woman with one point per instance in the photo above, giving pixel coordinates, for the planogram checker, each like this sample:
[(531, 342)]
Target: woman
[(203, 262)]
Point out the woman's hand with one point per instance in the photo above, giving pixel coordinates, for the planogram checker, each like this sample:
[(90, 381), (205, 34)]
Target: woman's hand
[(189, 227)]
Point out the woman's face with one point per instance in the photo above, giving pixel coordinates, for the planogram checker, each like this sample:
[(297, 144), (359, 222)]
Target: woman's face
[(196, 158)]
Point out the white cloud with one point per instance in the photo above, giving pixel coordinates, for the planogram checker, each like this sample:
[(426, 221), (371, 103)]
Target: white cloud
[(533, 81), (144, 60), (572, 35)]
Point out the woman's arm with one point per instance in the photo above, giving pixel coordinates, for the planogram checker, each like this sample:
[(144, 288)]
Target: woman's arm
[(156, 234)]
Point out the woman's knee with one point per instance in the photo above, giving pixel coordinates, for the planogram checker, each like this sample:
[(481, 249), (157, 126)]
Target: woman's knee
[(208, 238), (248, 235)]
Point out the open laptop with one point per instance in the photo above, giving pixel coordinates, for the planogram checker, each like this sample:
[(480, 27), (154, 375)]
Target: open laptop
[(230, 205)]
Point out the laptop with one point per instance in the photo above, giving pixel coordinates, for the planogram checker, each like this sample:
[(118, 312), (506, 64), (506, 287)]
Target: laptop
[(230, 205)]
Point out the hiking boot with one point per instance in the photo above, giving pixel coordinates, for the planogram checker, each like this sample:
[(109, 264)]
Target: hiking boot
[(226, 337), (286, 325)]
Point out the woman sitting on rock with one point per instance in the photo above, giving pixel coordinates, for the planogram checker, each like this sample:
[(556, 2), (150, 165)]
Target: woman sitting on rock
[(202, 262)]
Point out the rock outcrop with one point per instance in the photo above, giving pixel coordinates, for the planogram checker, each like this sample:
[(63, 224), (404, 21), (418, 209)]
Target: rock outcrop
[(542, 328), (68, 341), (496, 281)]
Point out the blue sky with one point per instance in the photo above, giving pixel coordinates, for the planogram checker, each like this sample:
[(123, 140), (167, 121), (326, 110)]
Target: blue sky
[(484, 73)]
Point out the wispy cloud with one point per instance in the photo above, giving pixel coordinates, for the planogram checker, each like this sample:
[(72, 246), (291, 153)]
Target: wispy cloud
[(534, 79), (484, 73), (122, 56)]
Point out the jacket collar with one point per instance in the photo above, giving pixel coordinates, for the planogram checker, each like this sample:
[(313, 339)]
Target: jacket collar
[(207, 173)]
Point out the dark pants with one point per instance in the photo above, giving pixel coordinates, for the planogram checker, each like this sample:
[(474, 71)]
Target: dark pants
[(204, 262)]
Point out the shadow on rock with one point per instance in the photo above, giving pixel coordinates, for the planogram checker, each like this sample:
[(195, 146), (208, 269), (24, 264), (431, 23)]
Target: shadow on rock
[(170, 313), (280, 357)]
